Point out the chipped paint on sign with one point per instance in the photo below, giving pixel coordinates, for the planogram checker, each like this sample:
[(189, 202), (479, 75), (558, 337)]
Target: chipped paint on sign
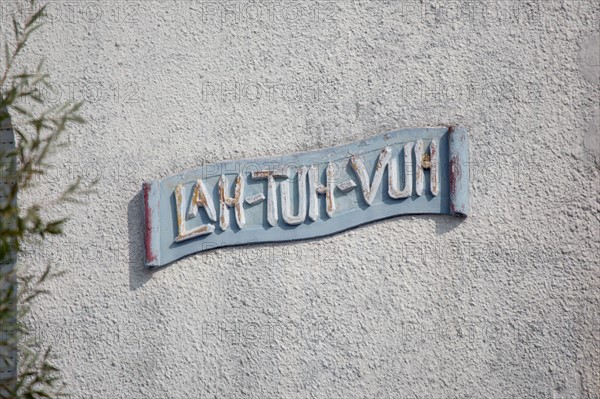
[(309, 194)]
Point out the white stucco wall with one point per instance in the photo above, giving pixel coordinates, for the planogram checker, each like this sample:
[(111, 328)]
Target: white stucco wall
[(503, 304)]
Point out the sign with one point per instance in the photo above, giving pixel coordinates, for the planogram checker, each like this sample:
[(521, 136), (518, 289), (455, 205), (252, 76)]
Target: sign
[(307, 195)]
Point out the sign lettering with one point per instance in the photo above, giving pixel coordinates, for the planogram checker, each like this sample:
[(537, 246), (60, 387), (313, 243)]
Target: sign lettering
[(312, 194)]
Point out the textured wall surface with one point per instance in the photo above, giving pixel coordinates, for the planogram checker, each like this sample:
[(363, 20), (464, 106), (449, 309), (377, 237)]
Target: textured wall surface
[(503, 304)]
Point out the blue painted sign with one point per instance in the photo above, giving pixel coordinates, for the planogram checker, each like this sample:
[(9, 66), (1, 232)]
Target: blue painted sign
[(306, 195)]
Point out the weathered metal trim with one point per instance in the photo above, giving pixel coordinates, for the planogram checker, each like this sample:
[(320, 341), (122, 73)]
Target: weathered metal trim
[(434, 167), (332, 205), (458, 143), (151, 192)]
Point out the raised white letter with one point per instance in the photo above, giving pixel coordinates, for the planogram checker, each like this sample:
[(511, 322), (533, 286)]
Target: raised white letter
[(427, 161), (408, 176), (369, 189), (182, 234), (272, 210), (315, 188), (226, 201), (286, 201), (201, 198)]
